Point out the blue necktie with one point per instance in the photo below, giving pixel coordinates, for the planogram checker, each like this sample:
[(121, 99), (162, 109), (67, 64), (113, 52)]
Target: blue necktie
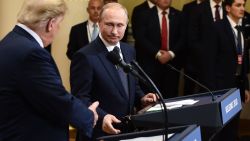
[(95, 32), (122, 74)]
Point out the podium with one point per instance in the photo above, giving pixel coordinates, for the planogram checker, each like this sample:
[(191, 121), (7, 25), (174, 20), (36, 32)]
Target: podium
[(205, 112), (181, 133)]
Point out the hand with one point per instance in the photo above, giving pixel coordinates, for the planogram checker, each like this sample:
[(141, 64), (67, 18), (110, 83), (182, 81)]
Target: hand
[(148, 99), (107, 126), (93, 107), (165, 57), (247, 96)]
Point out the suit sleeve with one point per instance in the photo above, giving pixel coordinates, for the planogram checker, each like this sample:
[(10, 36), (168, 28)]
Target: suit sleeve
[(81, 80), (42, 88)]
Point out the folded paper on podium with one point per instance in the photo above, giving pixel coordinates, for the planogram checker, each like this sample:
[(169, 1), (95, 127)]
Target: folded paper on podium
[(203, 111), (181, 133)]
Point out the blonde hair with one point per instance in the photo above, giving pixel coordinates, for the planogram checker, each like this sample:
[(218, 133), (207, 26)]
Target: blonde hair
[(34, 12)]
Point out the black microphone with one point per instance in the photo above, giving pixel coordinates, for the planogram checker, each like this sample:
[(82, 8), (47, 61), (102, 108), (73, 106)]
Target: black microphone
[(195, 81), (115, 58)]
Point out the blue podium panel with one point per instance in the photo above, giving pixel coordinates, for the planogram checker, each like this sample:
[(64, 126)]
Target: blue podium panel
[(180, 133), (205, 112), (230, 106)]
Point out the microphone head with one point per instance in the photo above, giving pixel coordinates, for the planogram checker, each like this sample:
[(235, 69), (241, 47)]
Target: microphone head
[(114, 57)]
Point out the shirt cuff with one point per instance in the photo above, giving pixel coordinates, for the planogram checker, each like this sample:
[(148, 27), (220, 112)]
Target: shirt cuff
[(158, 54), (171, 54)]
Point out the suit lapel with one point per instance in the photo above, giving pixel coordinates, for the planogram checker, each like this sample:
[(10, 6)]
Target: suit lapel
[(230, 35), (110, 68), (208, 11)]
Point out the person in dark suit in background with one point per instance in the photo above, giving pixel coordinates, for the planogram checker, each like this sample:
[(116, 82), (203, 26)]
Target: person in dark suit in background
[(139, 15), (189, 86), (34, 105), (151, 54), (83, 33), (228, 61), (94, 77), (200, 37)]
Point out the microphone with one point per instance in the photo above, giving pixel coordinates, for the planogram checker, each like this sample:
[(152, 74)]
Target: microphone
[(115, 58), (195, 81)]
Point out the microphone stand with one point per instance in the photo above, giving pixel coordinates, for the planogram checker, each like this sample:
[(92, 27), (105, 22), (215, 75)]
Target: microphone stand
[(158, 93)]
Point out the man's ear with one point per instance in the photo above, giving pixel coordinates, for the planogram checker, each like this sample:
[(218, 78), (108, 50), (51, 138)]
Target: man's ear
[(228, 8), (50, 24)]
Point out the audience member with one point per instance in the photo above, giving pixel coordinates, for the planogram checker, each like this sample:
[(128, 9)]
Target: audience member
[(85, 32), (189, 86), (228, 61), (157, 44), (200, 34)]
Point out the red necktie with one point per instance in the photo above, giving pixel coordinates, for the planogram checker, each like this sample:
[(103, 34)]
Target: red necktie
[(164, 32), (217, 13)]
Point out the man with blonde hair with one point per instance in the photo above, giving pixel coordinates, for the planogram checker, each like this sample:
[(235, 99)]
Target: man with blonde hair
[(34, 105)]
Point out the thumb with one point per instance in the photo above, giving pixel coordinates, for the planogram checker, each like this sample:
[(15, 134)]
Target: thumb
[(115, 120)]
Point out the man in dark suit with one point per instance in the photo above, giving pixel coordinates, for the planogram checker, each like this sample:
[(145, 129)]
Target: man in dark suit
[(229, 60), (34, 105), (82, 34), (151, 56), (200, 34), (187, 11), (93, 77), (139, 15)]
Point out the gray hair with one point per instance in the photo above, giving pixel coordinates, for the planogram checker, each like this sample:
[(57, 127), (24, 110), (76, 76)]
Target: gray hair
[(34, 12)]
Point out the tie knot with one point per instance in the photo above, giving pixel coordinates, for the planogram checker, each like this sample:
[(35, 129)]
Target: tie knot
[(116, 50), (217, 6), (94, 25), (238, 27), (164, 12)]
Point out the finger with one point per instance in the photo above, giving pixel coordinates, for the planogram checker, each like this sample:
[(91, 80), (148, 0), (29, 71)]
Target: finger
[(108, 128), (115, 120)]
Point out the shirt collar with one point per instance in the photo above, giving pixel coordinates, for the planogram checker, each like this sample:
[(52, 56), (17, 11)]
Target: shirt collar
[(212, 3), (90, 23), (232, 23), (32, 33), (198, 1), (160, 11), (150, 4), (107, 45)]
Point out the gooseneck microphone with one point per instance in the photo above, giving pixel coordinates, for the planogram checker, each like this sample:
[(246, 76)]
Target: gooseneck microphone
[(115, 58), (195, 81)]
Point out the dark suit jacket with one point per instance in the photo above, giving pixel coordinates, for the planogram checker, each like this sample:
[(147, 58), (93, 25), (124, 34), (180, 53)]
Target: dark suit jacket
[(78, 38), (222, 62), (34, 105), (187, 11), (149, 36), (139, 15), (200, 34), (93, 77), (246, 25)]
